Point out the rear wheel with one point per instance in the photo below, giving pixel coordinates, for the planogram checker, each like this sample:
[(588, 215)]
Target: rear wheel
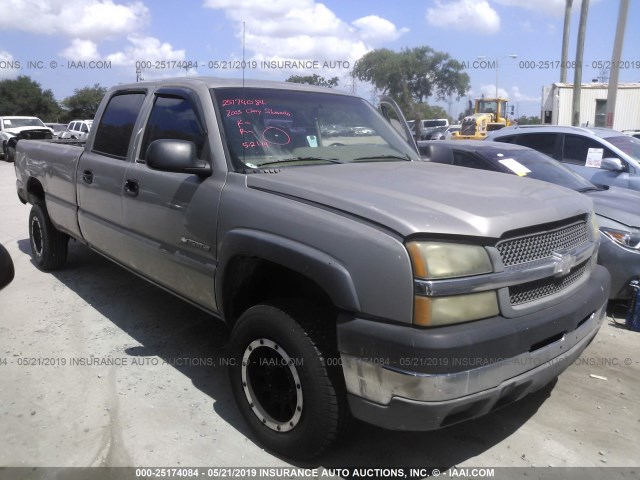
[(288, 390), (48, 245)]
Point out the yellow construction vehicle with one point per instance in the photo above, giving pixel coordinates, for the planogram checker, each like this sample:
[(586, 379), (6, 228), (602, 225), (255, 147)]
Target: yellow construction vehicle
[(488, 114)]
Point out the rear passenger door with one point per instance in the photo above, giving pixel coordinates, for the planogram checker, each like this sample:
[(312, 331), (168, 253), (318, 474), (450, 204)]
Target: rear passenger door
[(172, 216), (548, 143), (100, 174), (575, 150)]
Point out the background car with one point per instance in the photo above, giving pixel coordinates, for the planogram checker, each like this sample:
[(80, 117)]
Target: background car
[(444, 133), (77, 130), (616, 209), (57, 128), (14, 128), (601, 155), (426, 127)]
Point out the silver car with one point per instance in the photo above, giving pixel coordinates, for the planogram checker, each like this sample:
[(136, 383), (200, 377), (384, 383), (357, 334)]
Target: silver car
[(601, 155), (616, 208)]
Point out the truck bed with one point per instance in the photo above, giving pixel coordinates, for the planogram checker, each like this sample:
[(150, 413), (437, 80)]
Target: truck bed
[(54, 164)]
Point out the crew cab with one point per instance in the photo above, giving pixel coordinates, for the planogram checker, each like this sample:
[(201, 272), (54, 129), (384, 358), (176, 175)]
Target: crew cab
[(356, 279)]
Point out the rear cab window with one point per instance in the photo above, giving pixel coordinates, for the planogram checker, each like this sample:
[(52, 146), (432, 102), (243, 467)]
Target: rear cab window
[(114, 132), (542, 142)]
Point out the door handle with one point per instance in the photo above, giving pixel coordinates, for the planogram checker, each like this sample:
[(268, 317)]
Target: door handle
[(87, 177), (131, 187)]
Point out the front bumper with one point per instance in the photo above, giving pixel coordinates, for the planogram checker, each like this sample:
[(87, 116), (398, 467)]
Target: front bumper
[(404, 378)]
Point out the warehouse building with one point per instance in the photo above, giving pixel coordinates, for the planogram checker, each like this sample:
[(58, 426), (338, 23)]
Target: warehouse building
[(558, 97)]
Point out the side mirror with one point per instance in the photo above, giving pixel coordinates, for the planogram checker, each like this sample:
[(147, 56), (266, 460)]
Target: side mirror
[(178, 156), (7, 271), (612, 164)]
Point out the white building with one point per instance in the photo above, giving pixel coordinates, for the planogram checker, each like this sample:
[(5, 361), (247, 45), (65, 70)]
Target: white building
[(558, 97)]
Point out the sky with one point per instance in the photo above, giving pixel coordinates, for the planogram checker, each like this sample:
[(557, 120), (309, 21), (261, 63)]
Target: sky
[(69, 44)]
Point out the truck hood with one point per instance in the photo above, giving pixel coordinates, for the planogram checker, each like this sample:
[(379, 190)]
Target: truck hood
[(617, 204), (416, 197), (17, 130)]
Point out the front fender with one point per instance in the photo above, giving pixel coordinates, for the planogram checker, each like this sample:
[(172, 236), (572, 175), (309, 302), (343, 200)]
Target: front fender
[(321, 268)]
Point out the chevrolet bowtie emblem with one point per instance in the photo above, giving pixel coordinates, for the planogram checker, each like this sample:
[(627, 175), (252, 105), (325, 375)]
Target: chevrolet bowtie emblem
[(563, 262)]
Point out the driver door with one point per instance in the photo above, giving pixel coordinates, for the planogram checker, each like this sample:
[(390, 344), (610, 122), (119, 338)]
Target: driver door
[(392, 112)]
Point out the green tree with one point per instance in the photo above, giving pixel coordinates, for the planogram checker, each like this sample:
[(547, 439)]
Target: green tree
[(419, 111), (413, 75), (524, 120), (84, 102), (314, 79), (24, 96)]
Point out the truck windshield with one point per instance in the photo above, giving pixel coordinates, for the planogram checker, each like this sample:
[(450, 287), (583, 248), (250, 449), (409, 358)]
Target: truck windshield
[(22, 122), (294, 128)]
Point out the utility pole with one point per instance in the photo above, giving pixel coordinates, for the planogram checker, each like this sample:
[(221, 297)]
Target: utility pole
[(612, 94), (577, 79), (565, 41)]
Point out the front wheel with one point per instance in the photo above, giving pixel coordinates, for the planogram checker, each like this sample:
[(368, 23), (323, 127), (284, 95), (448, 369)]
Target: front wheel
[(288, 391), (49, 246)]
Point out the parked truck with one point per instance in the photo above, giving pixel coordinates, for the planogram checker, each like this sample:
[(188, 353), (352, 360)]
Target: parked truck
[(357, 281)]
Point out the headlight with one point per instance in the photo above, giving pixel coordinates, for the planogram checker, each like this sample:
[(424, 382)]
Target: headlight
[(625, 239), (434, 311), (440, 260), (447, 260)]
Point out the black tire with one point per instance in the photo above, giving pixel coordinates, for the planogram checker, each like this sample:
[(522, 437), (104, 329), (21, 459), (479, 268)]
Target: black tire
[(49, 246), (292, 398)]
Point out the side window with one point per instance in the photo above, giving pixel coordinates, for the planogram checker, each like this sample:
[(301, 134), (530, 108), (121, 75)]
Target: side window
[(174, 118), (116, 125), (84, 128), (506, 139), (575, 149), (464, 160), (72, 126), (542, 142)]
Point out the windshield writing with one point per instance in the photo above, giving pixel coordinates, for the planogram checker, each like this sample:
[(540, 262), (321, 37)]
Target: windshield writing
[(270, 126)]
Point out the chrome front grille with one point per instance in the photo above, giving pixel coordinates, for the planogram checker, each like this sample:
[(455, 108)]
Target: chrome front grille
[(542, 245), (528, 292)]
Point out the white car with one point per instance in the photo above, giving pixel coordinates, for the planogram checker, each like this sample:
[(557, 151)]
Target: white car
[(77, 130), (443, 133), (14, 128)]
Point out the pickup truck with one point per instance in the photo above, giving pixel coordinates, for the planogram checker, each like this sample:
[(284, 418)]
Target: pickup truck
[(14, 128), (357, 281)]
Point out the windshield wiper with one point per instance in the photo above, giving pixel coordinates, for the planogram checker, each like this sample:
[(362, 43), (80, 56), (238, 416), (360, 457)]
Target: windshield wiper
[(384, 157), (301, 159), (590, 189)]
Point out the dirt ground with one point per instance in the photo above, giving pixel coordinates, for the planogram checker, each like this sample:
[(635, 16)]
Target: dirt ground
[(100, 368)]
